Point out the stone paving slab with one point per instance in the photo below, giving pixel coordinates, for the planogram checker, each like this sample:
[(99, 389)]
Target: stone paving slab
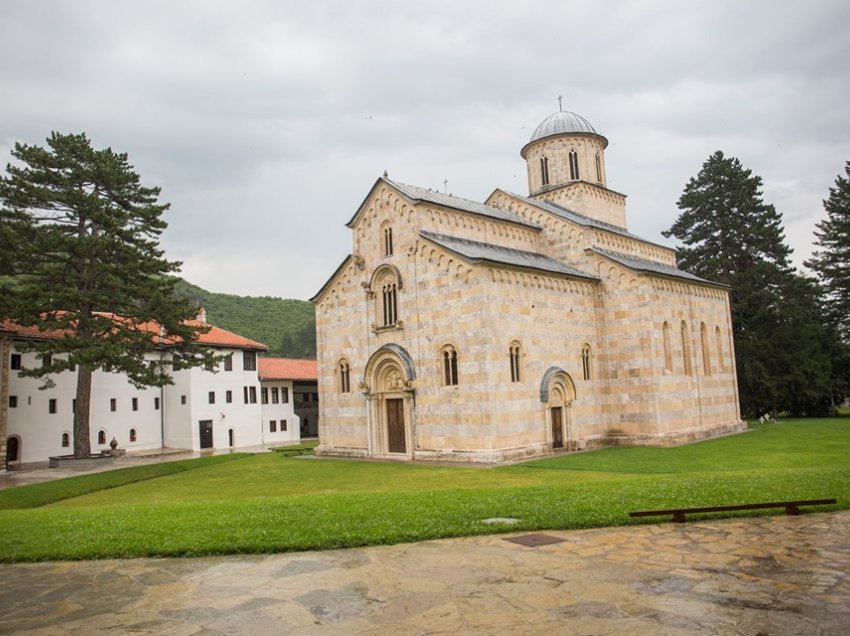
[(755, 577)]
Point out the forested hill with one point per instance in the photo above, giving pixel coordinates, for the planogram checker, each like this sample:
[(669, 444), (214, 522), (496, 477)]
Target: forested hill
[(287, 326)]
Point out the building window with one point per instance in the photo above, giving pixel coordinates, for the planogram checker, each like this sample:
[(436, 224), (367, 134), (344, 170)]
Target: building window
[(275, 395), (13, 401), (284, 395), (113, 404), (211, 397), (706, 350), (449, 366), (344, 377), (245, 394), (686, 349), (228, 396), (101, 437), (135, 404), (132, 435), (389, 293), (264, 395), (252, 394), (156, 404), (51, 405), (15, 362), (515, 353), (46, 360), (718, 344), (72, 366), (282, 426), (183, 399), (668, 350), (273, 426), (544, 170), (388, 240), (66, 440), (573, 165), (228, 363), (249, 360), (586, 362), (598, 168)]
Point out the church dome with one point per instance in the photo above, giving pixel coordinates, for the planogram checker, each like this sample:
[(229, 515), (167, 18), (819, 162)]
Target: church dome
[(560, 123)]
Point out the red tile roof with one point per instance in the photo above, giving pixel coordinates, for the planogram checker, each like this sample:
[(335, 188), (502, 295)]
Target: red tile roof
[(215, 337), (287, 369)]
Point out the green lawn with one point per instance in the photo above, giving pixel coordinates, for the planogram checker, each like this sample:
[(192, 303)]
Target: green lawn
[(274, 502)]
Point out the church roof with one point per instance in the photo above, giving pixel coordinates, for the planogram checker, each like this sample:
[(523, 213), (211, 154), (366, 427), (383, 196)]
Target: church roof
[(564, 122), (575, 217), (415, 194), (478, 252), (652, 267)]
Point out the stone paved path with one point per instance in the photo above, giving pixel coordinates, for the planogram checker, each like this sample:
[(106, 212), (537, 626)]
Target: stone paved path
[(758, 577)]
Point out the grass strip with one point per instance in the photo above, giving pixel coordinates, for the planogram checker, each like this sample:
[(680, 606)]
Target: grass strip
[(344, 520), (36, 495)]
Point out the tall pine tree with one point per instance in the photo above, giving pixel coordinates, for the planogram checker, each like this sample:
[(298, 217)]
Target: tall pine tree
[(81, 234), (732, 236), (831, 263)]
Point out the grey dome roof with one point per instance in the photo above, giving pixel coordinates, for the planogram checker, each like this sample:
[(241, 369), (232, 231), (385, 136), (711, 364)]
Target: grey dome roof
[(562, 122)]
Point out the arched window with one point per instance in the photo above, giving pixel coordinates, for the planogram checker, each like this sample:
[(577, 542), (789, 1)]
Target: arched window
[(598, 168), (389, 294), (586, 365), (515, 354), (686, 349), (668, 349), (544, 170), (388, 239), (718, 344), (132, 435), (706, 352), (383, 289), (573, 165), (101, 437), (449, 356), (344, 377), (66, 440)]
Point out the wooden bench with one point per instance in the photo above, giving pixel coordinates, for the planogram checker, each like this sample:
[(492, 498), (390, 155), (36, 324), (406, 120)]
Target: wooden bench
[(791, 508)]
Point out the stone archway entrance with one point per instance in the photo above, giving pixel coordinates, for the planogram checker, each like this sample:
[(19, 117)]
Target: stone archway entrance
[(557, 392), (388, 380)]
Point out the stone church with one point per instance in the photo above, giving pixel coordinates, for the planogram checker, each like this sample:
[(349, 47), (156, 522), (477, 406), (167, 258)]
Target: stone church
[(520, 326)]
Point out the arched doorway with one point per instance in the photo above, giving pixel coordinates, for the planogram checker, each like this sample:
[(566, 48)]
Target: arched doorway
[(557, 392), (13, 450), (388, 379)]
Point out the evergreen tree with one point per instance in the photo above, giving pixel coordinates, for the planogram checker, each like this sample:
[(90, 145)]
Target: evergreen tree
[(832, 261), (832, 265), (733, 237), (83, 234)]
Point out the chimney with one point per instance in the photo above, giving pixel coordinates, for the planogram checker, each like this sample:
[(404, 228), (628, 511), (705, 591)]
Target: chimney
[(202, 315)]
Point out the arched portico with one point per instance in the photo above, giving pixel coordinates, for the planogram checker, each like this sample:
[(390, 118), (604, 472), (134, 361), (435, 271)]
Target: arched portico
[(557, 392), (388, 387)]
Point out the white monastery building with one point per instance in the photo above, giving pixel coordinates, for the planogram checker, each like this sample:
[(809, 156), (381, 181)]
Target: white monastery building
[(520, 326), (236, 405)]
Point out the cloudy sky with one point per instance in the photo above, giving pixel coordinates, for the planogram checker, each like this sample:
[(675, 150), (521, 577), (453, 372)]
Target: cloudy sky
[(266, 122)]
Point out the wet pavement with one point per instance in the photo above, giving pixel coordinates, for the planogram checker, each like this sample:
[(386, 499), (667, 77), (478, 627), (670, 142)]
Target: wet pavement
[(762, 576)]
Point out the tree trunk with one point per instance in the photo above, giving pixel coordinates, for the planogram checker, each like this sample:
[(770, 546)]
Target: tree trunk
[(82, 439)]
